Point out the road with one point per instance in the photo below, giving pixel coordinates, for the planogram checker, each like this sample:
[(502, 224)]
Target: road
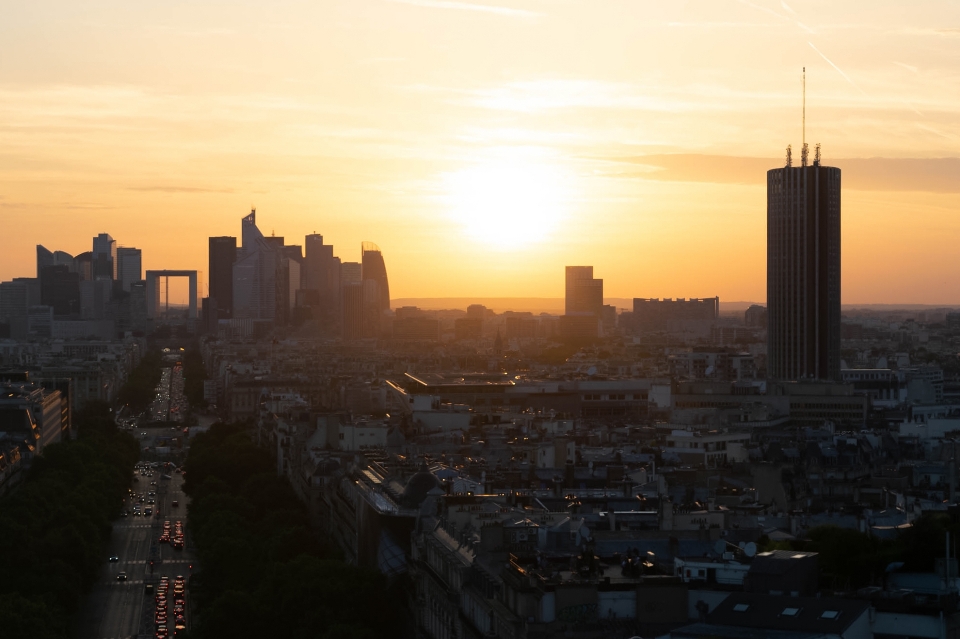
[(116, 609)]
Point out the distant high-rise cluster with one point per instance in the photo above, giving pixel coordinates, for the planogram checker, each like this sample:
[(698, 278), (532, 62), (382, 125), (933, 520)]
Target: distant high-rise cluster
[(265, 280), (84, 295), (803, 272)]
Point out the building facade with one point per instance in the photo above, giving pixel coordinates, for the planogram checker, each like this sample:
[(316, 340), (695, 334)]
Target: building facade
[(803, 272)]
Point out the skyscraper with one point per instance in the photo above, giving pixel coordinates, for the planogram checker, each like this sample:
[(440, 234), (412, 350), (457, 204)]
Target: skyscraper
[(222, 255), (351, 303), (803, 271), (322, 274), (46, 257), (376, 289), (104, 257), (255, 274), (584, 294), (60, 289), (583, 304), (129, 267)]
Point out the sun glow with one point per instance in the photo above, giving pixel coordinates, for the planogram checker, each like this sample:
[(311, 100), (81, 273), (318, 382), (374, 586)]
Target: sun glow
[(508, 202)]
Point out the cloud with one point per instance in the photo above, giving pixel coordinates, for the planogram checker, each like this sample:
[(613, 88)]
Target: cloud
[(908, 67), (935, 175), (469, 6), (163, 188), (839, 70), (764, 9)]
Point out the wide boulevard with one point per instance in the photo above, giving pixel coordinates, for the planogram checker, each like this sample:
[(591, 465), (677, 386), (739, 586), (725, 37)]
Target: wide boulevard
[(116, 608)]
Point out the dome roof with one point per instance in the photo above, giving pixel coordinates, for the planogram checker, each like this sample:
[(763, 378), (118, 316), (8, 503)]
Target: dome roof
[(417, 488)]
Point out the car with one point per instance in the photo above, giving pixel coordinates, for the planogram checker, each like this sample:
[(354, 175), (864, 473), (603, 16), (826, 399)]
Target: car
[(174, 503), (114, 559), (121, 576)]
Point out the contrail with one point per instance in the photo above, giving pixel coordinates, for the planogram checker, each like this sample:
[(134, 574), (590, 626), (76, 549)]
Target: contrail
[(839, 70)]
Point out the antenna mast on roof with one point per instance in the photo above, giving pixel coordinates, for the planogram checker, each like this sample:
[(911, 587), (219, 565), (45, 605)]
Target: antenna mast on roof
[(803, 150)]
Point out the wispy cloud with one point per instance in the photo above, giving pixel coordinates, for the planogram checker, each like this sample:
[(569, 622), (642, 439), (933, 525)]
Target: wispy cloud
[(470, 6), (935, 175), (162, 188), (839, 70), (764, 9), (908, 67)]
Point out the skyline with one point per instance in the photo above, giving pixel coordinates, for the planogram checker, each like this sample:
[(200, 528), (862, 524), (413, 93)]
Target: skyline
[(398, 123)]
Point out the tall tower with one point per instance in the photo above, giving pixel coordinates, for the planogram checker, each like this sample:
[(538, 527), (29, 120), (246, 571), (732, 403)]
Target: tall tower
[(376, 288), (584, 294), (255, 274), (104, 257), (129, 267), (803, 271), (351, 302), (222, 255)]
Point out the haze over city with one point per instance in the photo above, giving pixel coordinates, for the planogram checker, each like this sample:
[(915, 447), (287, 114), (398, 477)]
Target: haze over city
[(485, 145), (479, 319)]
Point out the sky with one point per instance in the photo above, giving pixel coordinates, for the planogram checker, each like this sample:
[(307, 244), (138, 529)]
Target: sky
[(485, 145)]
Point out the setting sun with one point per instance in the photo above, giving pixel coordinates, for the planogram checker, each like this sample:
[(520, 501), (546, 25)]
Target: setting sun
[(508, 202)]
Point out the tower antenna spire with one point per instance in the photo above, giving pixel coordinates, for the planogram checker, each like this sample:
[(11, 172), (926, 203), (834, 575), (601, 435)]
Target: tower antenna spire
[(803, 149)]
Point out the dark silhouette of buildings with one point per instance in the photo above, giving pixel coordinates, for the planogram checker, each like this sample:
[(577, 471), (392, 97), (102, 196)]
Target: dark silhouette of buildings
[(672, 316), (755, 316), (222, 255), (60, 289), (803, 272), (376, 289), (322, 275), (351, 304), (104, 257)]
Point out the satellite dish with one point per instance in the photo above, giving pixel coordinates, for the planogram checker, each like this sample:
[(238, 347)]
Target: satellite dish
[(592, 371), (720, 547), (709, 371), (750, 549)]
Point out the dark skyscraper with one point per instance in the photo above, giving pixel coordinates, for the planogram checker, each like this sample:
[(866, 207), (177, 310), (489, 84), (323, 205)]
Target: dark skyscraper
[(223, 253), (60, 289), (376, 289), (322, 274), (351, 303), (104, 257), (803, 272)]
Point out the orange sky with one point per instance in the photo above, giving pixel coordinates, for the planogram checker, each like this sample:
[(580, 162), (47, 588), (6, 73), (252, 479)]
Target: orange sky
[(484, 145)]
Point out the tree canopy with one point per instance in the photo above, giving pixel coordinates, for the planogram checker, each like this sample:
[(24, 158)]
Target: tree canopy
[(263, 571)]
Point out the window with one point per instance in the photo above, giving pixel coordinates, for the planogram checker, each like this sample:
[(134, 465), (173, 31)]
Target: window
[(830, 614), (790, 612), (741, 608)]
